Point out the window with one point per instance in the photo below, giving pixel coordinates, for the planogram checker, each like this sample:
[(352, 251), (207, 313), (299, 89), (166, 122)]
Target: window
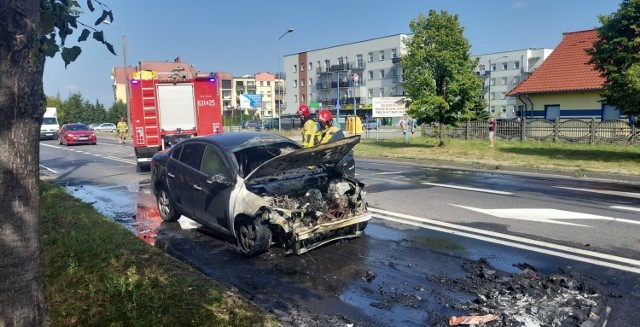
[(295, 83), (504, 109), (493, 81), (516, 65), (481, 67), (302, 98), (310, 66), (340, 61), (492, 96), (503, 95), (370, 74), (493, 67), (394, 53), (261, 83), (213, 164), (552, 111), (493, 109), (382, 91), (192, 155), (394, 72), (370, 56), (381, 73), (295, 68), (505, 66), (359, 61), (302, 83), (295, 98), (370, 93), (310, 81), (381, 55), (516, 80), (327, 63), (302, 67), (503, 81)]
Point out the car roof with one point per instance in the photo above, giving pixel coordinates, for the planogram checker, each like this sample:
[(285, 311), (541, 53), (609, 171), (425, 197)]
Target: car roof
[(238, 141)]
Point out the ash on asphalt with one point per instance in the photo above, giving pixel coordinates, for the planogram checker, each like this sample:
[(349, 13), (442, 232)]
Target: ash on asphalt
[(392, 276)]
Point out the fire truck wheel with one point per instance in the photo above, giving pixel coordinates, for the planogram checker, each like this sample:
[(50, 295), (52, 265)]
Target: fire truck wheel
[(254, 236), (165, 206)]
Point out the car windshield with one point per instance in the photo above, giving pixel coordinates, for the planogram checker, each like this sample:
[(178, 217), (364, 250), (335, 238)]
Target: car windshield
[(78, 127), (250, 158), (49, 121)]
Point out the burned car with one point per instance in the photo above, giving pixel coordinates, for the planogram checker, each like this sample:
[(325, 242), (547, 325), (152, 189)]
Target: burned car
[(260, 189)]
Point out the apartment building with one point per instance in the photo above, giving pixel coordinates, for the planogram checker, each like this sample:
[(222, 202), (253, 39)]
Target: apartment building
[(501, 72), (352, 73)]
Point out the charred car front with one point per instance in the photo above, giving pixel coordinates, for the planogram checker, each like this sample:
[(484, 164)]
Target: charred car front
[(260, 189)]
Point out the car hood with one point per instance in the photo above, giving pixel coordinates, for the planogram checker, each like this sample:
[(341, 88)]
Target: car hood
[(324, 154)]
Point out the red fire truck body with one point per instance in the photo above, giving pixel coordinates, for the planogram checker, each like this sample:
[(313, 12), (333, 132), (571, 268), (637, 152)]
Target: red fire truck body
[(164, 111)]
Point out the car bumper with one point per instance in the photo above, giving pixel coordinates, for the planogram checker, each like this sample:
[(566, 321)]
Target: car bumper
[(315, 236)]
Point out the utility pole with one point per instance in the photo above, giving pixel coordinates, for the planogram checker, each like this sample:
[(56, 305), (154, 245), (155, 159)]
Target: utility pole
[(274, 83)]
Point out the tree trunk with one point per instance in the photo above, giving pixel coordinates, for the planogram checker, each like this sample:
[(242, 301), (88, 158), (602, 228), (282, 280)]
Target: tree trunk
[(441, 133), (22, 104)]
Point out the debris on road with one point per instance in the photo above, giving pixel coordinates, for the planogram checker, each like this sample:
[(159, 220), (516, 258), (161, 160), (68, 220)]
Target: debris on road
[(471, 320)]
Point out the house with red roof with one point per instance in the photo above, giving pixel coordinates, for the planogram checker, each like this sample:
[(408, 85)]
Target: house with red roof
[(565, 86)]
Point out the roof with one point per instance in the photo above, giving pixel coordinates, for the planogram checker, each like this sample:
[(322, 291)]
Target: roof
[(566, 68), (165, 69)]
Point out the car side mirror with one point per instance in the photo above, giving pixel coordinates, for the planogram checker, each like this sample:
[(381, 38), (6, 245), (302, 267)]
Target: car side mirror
[(220, 179)]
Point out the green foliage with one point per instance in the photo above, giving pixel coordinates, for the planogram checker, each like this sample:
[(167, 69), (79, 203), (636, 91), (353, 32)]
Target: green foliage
[(117, 110), (60, 19), (617, 56), (441, 83)]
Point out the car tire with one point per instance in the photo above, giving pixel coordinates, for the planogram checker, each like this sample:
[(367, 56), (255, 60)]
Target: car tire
[(166, 207), (254, 236), (361, 226)]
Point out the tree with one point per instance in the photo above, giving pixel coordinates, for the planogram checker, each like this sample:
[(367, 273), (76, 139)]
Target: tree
[(616, 54), (30, 30), (117, 110), (442, 86)]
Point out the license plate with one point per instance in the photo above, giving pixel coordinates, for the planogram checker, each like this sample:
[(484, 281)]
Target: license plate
[(83, 138), (48, 134)]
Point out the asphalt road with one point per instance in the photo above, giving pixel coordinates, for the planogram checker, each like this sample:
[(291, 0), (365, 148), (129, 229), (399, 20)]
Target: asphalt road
[(430, 224)]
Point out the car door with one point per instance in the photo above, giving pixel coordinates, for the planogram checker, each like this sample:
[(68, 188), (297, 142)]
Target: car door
[(212, 188), (180, 173)]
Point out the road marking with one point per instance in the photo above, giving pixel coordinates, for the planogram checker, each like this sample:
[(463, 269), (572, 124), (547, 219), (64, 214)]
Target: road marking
[(469, 188), (619, 193), (390, 173), (120, 160), (92, 154), (49, 169), (621, 263), (625, 208), (545, 215)]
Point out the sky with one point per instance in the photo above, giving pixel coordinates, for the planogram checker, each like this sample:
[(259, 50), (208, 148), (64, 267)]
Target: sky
[(242, 36)]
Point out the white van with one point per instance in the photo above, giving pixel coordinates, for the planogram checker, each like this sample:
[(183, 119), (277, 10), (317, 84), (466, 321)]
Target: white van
[(50, 126)]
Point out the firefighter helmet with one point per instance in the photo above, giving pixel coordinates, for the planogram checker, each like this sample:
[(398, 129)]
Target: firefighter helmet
[(303, 111), (325, 117)]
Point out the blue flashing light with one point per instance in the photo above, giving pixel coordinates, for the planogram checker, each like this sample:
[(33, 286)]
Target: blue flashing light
[(134, 81), (212, 79)]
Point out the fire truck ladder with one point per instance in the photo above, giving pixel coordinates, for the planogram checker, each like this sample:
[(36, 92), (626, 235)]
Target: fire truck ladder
[(150, 112)]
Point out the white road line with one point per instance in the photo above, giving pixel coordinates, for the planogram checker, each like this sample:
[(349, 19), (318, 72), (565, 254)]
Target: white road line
[(509, 240), (49, 169), (619, 193), (390, 173), (545, 215), (120, 160), (625, 208), (469, 188)]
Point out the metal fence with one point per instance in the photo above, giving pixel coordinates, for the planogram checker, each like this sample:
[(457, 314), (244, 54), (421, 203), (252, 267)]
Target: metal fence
[(569, 130)]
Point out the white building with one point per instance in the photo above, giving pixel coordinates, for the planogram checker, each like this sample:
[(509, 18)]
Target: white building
[(501, 72), (354, 73)]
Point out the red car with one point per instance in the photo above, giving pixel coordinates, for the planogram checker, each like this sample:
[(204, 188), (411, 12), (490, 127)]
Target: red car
[(74, 133)]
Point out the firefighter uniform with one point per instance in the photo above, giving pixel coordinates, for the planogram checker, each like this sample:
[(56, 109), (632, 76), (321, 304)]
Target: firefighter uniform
[(310, 133), (327, 133)]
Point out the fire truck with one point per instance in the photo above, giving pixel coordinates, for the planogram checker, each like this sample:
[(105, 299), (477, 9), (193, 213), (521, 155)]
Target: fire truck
[(163, 110)]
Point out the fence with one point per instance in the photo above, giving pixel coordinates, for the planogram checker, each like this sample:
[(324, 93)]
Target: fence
[(570, 130)]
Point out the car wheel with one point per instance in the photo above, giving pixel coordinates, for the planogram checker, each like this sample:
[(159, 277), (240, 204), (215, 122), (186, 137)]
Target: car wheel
[(362, 225), (165, 206), (254, 236)]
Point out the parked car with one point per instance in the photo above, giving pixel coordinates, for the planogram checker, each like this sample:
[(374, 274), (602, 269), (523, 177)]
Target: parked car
[(256, 188), (105, 127), (268, 125), (251, 124), (75, 133), (93, 126), (370, 124)]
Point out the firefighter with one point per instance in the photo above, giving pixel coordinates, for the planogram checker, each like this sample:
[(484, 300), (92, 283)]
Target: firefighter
[(122, 130), (309, 127), (328, 131)]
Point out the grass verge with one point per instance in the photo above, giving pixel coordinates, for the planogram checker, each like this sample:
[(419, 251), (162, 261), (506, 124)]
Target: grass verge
[(580, 160), (97, 273)]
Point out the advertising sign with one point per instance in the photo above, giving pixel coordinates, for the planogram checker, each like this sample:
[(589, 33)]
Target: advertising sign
[(388, 107), (250, 101)]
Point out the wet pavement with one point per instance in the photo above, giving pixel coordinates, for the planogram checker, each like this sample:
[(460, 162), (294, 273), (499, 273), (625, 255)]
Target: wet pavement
[(395, 275)]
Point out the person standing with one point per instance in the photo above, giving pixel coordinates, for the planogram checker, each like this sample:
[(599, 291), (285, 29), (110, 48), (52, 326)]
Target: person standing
[(492, 131), (328, 132), (403, 127), (122, 130), (309, 127)]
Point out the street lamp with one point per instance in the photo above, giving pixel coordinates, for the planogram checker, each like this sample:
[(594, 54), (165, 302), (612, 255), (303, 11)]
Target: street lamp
[(126, 74), (490, 77), (274, 83)]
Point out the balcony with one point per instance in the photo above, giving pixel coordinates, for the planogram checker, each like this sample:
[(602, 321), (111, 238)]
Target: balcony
[(358, 65), (395, 60), (340, 67), (483, 73), (323, 86), (323, 70)]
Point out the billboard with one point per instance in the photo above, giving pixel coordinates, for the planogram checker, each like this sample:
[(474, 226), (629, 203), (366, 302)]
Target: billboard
[(388, 106), (250, 101)]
